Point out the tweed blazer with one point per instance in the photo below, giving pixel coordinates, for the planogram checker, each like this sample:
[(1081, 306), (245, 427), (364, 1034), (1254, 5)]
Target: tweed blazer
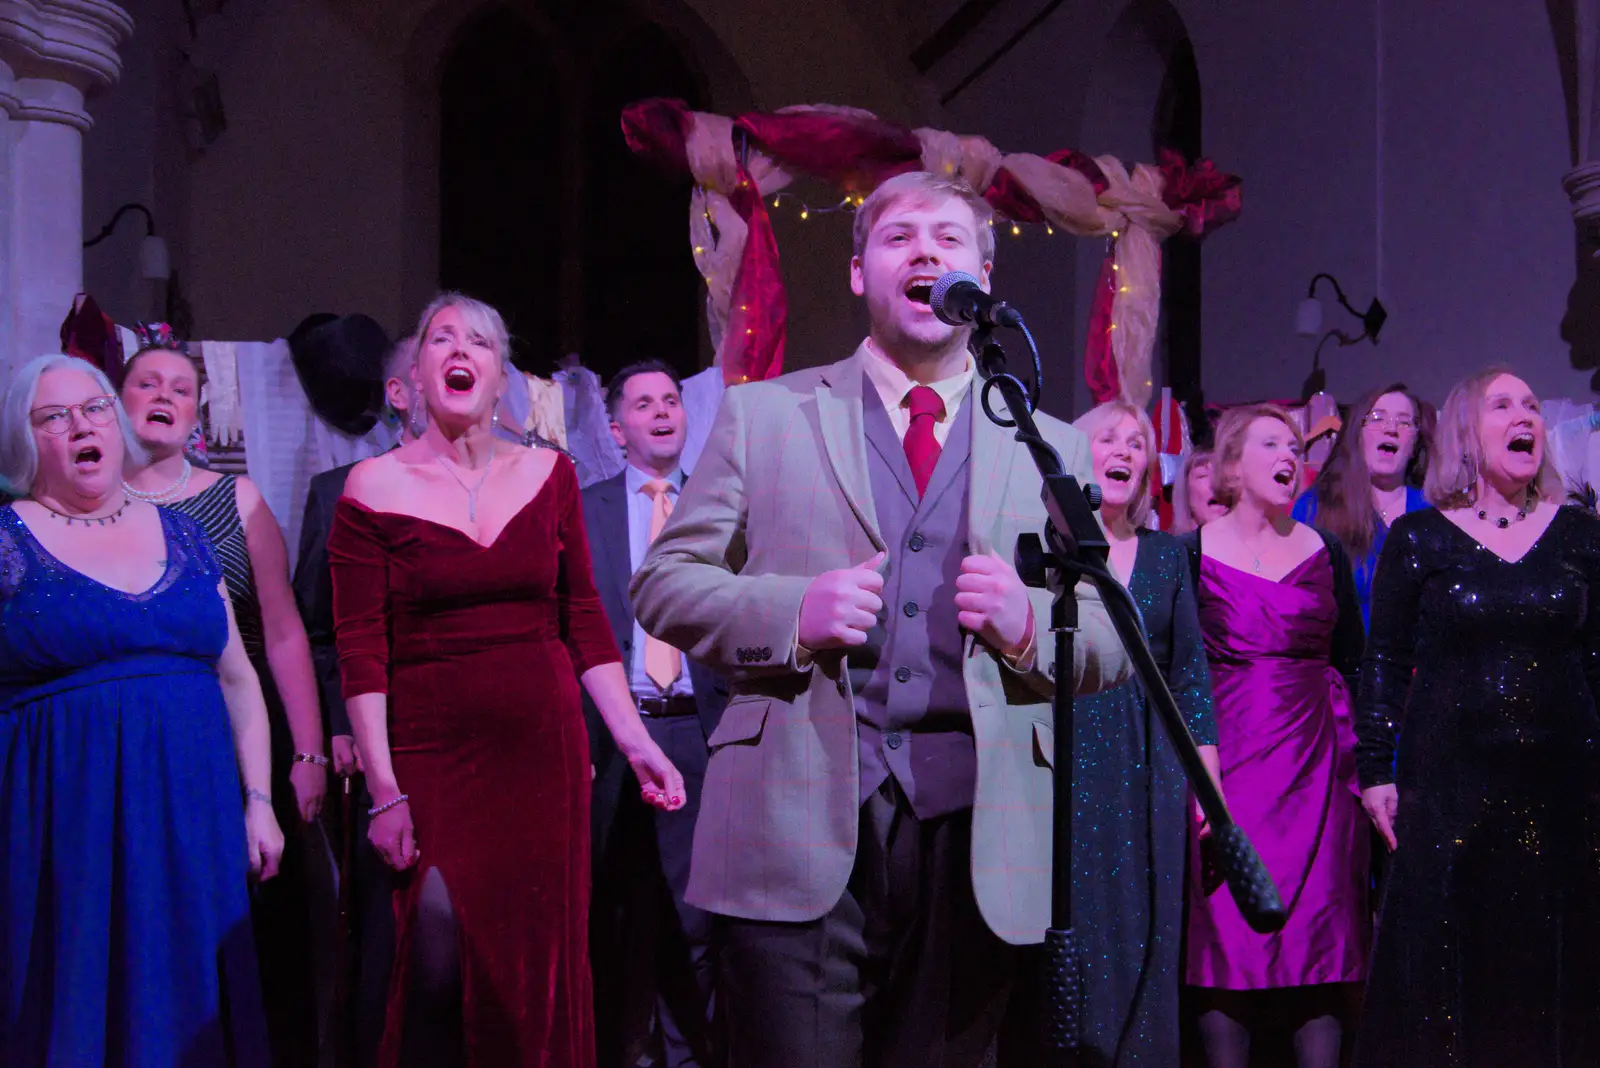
[(780, 495)]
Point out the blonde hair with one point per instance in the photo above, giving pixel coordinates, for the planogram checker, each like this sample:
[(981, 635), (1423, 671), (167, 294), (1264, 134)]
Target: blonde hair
[(924, 187), (1452, 480), (483, 319), (1182, 513), (1097, 419), (1231, 432)]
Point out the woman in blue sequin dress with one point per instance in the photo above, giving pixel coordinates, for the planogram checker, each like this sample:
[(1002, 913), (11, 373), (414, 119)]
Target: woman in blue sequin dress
[(1130, 833), (130, 726)]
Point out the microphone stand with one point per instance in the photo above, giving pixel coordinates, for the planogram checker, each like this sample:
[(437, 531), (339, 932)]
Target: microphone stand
[(1078, 548)]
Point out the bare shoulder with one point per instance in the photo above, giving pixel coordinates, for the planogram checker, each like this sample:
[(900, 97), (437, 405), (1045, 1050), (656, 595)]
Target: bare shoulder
[(374, 481), (532, 467), (247, 495)]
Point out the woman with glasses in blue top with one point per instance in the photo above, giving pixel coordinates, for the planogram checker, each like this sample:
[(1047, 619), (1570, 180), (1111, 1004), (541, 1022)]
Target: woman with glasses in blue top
[(1373, 477)]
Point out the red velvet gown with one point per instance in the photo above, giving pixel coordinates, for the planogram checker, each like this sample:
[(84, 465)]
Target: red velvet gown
[(479, 649)]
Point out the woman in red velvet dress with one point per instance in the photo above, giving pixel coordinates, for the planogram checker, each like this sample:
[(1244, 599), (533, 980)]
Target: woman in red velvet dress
[(466, 617)]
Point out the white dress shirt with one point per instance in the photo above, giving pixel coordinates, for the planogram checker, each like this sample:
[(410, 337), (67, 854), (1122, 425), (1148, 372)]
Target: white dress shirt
[(893, 385)]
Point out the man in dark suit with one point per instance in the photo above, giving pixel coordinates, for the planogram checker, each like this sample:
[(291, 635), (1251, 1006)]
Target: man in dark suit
[(650, 951), (369, 894)]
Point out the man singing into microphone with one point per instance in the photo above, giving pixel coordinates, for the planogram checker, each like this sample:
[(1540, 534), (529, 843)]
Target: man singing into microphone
[(875, 828)]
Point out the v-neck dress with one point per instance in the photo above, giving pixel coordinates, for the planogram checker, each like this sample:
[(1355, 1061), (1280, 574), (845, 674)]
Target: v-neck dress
[(479, 649), (1488, 947), (124, 917), (1283, 657)]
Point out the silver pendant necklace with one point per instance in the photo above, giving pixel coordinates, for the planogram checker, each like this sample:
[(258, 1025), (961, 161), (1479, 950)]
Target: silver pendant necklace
[(471, 491)]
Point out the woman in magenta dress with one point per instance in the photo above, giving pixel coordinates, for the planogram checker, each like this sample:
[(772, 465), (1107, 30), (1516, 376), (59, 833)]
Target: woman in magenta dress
[(466, 616), (1282, 628)]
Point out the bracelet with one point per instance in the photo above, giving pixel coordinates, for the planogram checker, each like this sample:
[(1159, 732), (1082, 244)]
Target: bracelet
[(311, 758), (387, 805), (252, 794)]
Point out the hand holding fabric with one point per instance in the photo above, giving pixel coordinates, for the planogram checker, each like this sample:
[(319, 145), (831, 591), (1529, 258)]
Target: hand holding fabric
[(839, 607), (992, 602), (393, 836)]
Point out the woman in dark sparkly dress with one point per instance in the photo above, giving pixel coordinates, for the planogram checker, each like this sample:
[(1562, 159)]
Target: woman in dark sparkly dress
[(1130, 837), (1485, 647)]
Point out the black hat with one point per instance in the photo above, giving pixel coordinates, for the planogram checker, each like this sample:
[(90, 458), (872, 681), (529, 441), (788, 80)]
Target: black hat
[(339, 361)]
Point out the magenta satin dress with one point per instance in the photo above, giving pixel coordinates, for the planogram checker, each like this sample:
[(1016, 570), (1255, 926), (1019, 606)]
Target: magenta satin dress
[(1282, 655)]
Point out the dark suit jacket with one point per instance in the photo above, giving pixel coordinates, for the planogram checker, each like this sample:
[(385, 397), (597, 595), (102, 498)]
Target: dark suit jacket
[(313, 589), (605, 513)]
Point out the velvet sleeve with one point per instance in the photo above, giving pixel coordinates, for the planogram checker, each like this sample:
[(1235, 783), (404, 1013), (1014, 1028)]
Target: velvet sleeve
[(358, 559), (1386, 669), (1189, 675), (584, 626)]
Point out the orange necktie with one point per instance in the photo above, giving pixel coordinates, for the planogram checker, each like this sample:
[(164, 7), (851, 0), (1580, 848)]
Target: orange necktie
[(662, 662)]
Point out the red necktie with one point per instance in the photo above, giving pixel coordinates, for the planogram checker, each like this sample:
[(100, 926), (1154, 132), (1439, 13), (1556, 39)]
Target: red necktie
[(922, 448)]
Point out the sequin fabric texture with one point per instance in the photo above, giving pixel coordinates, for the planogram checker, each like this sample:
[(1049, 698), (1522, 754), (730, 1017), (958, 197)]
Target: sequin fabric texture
[(1478, 701)]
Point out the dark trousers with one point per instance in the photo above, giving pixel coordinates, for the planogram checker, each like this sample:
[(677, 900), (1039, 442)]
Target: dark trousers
[(903, 971), (369, 952), (650, 951)]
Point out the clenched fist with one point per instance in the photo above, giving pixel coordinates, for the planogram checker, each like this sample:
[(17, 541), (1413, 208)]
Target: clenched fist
[(839, 607), (992, 602)]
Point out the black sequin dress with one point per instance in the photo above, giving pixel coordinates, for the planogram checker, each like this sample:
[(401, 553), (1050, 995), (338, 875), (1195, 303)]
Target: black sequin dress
[(1130, 826), (1488, 947)]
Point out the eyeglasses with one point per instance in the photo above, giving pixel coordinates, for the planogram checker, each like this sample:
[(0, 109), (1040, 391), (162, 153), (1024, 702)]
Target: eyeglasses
[(57, 418), (1401, 423)]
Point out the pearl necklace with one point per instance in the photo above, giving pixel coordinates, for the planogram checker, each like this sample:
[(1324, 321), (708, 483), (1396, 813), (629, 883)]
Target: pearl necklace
[(162, 496)]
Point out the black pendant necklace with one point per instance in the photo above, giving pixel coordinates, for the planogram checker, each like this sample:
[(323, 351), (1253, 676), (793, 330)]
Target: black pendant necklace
[(1503, 522), (88, 520)]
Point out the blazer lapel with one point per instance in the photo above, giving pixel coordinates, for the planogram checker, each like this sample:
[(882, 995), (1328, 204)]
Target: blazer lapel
[(840, 413), (614, 534), (994, 450)]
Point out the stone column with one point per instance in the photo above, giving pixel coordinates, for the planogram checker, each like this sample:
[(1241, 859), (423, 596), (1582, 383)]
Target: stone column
[(53, 55), (1578, 43)]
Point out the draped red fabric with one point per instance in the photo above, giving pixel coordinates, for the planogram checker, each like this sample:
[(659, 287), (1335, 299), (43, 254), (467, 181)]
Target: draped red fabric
[(1206, 197), (1099, 367), (658, 131), (856, 151), (757, 315), (1006, 195)]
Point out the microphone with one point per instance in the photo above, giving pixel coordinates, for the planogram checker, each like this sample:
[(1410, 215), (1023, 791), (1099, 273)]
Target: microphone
[(959, 300)]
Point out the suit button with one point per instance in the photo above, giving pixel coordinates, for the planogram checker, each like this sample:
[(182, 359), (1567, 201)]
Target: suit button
[(902, 674), (916, 543), (844, 686), (892, 739), (911, 609)]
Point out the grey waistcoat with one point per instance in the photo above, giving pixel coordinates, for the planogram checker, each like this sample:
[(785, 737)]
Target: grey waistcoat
[(911, 698)]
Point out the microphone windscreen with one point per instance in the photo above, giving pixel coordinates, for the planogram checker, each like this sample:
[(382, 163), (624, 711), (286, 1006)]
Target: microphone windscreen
[(941, 291)]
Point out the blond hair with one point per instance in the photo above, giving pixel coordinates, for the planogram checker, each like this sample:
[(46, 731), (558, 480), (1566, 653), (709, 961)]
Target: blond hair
[(1457, 458), (1231, 433), (1097, 419), (924, 187)]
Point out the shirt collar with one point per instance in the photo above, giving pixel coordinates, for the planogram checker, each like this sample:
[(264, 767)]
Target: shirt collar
[(635, 479), (893, 384)]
